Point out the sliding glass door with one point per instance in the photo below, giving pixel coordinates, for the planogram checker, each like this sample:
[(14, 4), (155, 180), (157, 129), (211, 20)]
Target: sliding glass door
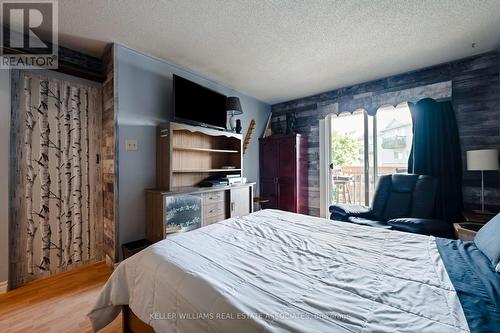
[(364, 147), (348, 158)]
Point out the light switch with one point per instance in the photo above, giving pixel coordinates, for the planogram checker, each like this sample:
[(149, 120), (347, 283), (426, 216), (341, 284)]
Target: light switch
[(131, 145)]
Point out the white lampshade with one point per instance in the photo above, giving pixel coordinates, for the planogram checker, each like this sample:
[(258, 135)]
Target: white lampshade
[(482, 160)]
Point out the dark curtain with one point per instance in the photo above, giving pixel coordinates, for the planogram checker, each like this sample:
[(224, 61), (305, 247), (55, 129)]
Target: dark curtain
[(436, 152)]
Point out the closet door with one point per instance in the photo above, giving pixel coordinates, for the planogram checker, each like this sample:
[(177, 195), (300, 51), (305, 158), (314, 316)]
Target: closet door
[(56, 187), (269, 172)]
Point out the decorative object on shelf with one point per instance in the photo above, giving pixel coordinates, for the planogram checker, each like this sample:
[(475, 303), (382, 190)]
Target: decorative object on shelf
[(276, 127), (248, 136), (238, 126), (267, 130), (233, 108), (482, 160), (290, 123)]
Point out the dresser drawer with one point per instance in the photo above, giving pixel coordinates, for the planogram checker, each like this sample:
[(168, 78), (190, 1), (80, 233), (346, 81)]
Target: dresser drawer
[(213, 219), (214, 209), (211, 197)]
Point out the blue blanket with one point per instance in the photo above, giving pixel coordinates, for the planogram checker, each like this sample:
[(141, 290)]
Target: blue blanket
[(476, 282)]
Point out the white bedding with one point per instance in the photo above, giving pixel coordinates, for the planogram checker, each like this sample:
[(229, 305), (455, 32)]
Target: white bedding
[(274, 271)]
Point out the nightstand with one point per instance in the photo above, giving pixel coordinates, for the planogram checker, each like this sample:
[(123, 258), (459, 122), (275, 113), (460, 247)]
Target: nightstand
[(474, 220), (478, 217), (466, 230)]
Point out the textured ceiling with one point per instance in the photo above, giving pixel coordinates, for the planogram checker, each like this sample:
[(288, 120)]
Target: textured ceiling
[(280, 50)]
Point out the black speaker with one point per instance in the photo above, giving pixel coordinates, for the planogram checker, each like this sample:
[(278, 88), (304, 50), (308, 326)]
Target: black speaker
[(238, 126)]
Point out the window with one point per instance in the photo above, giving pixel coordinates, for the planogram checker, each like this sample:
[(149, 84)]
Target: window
[(366, 147), (398, 156)]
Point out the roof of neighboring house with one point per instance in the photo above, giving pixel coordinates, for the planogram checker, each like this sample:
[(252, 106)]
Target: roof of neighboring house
[(395, 124)]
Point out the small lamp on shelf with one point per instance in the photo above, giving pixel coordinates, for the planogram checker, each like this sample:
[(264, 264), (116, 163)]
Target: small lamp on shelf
[(233, 108), (482, 160)]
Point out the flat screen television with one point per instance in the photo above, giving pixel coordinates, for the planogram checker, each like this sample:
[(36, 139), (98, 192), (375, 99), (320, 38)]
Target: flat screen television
[(198, 105)]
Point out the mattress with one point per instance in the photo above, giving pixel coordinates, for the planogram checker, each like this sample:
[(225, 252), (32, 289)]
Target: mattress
[(274, 271)]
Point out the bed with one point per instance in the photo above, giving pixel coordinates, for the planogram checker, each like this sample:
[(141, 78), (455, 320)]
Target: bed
[(274, 271)]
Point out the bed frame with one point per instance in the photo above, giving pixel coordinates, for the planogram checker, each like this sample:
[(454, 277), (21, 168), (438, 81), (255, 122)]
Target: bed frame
[(132, 324)]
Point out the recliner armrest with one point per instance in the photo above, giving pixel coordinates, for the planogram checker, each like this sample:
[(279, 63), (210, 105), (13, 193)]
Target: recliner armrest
[(431, 227), (342, 212)]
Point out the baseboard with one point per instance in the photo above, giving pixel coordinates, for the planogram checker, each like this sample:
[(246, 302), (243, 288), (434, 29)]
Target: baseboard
[(3, 287)]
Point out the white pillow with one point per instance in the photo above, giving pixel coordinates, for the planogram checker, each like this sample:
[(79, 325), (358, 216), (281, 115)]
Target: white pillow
[(498, 267)]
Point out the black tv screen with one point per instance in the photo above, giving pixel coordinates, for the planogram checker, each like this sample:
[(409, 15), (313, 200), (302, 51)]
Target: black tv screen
[(198, 105)]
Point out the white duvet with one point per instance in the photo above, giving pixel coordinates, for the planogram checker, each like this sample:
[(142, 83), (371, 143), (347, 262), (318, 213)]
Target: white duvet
[(274, 271)]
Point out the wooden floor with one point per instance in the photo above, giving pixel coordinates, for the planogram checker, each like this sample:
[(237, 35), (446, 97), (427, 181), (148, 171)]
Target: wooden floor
[(57, 304)]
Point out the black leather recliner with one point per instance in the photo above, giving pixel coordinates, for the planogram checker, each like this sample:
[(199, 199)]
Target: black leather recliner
[(403, 202)]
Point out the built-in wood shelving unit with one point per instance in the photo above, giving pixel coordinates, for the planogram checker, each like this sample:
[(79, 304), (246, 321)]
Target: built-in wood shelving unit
[(187, 155), (207, 150), (205, 170)]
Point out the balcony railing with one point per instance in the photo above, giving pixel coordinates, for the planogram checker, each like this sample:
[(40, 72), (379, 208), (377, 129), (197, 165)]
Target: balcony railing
[(349, 183), (394, 142)]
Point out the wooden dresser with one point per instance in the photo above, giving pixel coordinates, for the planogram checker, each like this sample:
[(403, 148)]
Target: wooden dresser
[(185, 156), (187, 208)]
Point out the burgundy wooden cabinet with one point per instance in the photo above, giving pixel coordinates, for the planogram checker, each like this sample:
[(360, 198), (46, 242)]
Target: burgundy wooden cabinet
[(283, 172)]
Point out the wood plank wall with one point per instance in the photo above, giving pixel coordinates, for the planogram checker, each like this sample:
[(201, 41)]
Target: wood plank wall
[(109, 161), (70, 62), (475, 98)]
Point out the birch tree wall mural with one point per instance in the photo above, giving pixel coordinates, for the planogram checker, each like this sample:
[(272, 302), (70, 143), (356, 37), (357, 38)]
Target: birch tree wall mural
[(58, 128), (87, 168), (44, 175), (68, 213), (77, 169), (59, 167), (30, 175)]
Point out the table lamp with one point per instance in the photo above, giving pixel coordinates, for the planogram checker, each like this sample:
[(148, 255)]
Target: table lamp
[(233, 108), (482, 160)]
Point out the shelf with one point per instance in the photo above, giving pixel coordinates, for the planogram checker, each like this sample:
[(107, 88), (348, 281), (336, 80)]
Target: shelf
[(208, 150), (174, 126), (187, 155), (204, 170)]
